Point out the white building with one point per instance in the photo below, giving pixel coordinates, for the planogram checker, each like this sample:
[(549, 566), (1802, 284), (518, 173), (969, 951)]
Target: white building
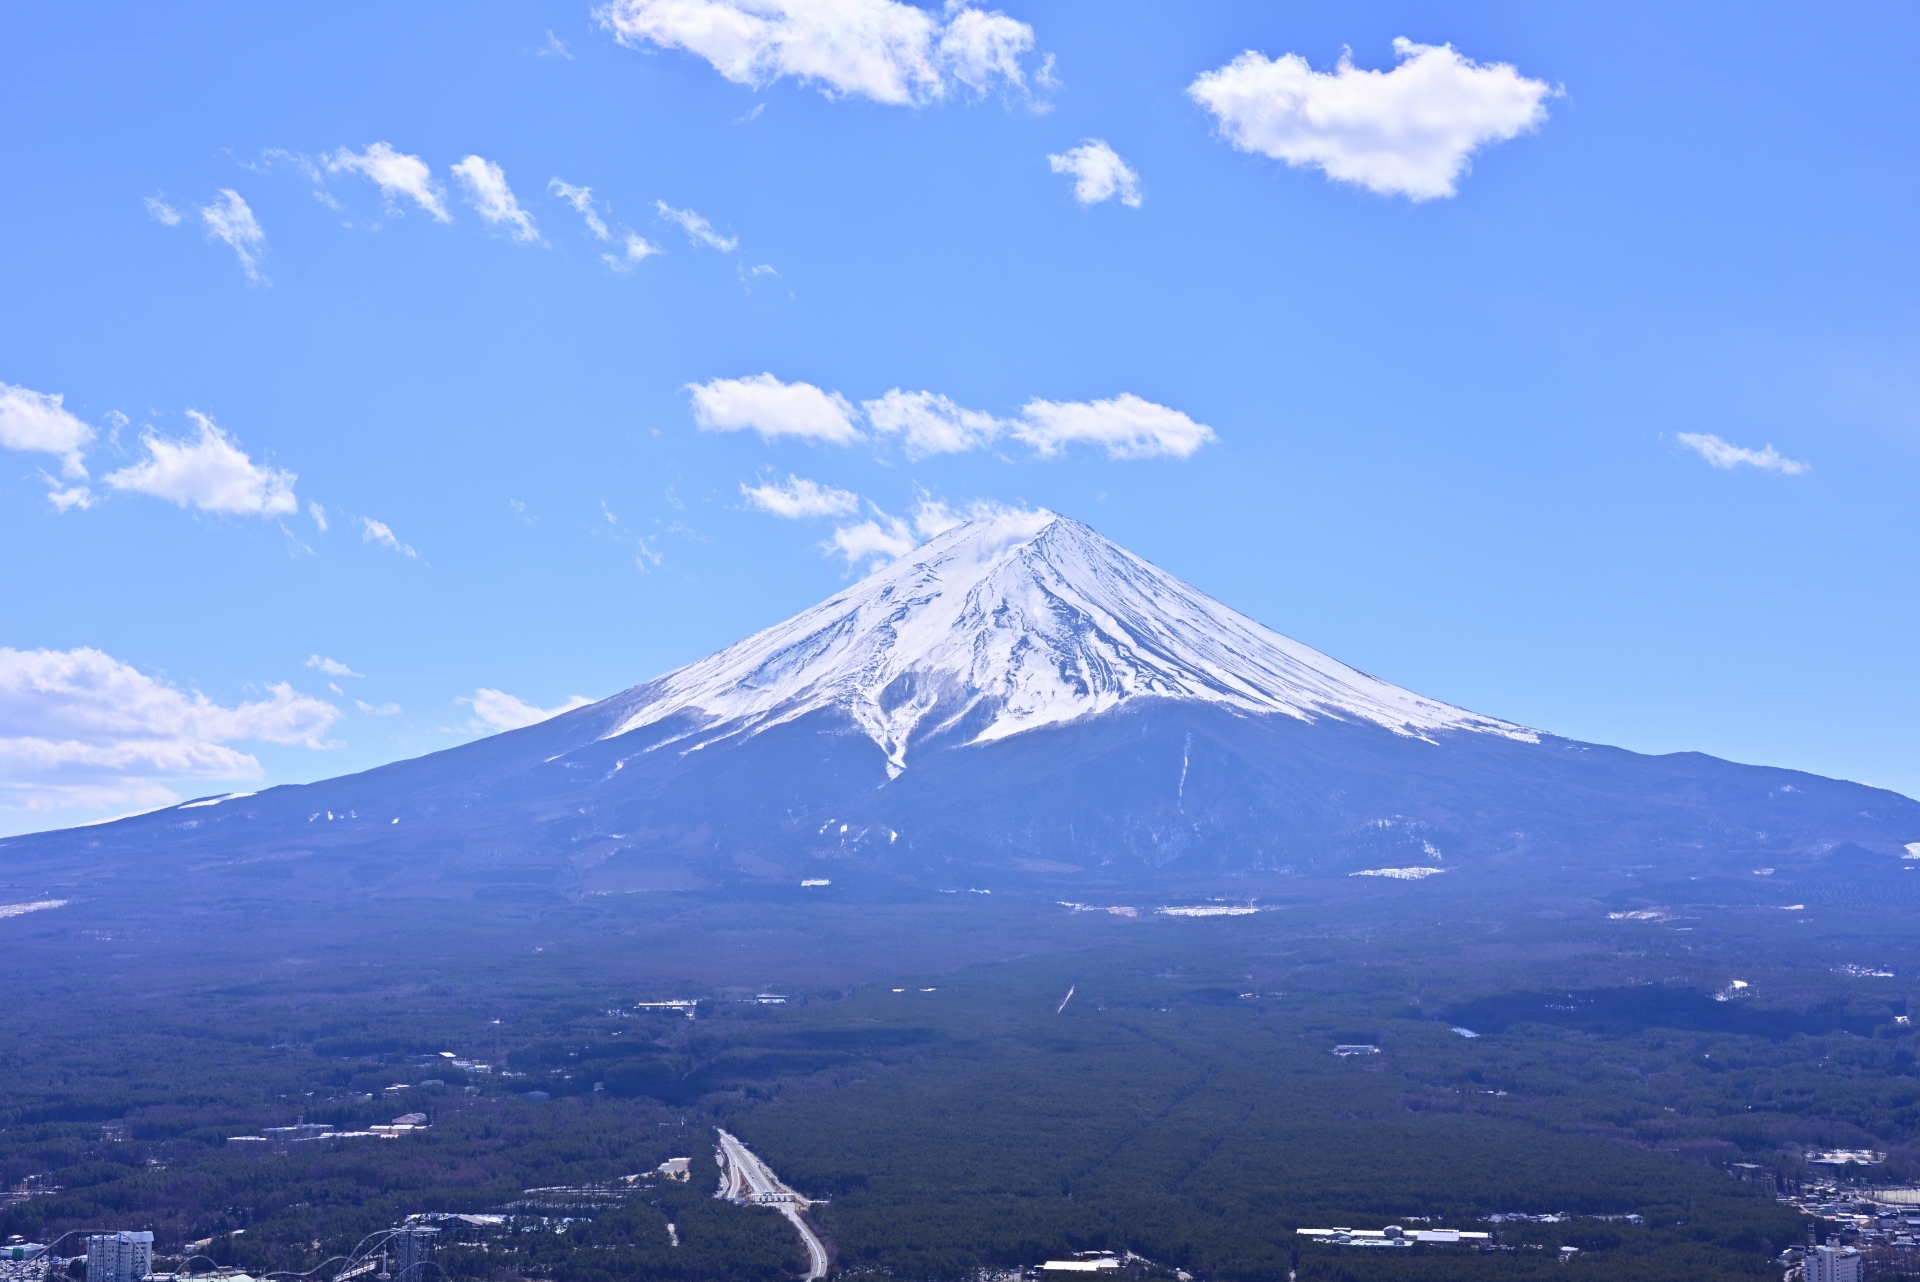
[(1824, 1264), (119, 1257)]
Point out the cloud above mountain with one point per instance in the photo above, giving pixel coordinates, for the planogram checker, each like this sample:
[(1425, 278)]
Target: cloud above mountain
[(797, 498), (926, 423), (1411, 131), (764, 404), (883, 50)]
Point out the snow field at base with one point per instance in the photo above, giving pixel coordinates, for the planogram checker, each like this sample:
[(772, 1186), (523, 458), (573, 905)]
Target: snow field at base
[(1011, 624)]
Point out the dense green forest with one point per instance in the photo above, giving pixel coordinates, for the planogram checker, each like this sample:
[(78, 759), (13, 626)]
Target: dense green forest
[(1183, 1104)]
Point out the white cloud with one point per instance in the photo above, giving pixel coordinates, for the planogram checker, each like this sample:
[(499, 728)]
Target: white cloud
[(396, 174), (976, 48), (880, 49), (161, 211), (931, 424), (885, 539), (798, 498), (554, 48), (319, 515), (637, 249), (773, 409), (581, 198), (230, 220), (383, 710), (1405, 132), (84, 729), (698, 229), (210, 472), (487, 191), (1727, 456), (1098, 174), (67, 497), (372, 531), (332, 667), (38, 422), (1127, 426), (495, 710)]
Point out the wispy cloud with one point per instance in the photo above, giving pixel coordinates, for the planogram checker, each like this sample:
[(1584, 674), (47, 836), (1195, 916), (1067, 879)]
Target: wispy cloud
[(879, 49), (698, 229), (230, 221), (380, 533), (884, 539), (39, 423), (797, 498), (496, 710), (487, 191), (1126, 426), (319, 515), (382, 710), (1727, 456), (331, 667), (1098, 174), (396, 174), (210, 472), (161, 212), (634, 250), (82, 728), (931, 424), (1411, 131), (764, 404), (555, 47), (581, 198)]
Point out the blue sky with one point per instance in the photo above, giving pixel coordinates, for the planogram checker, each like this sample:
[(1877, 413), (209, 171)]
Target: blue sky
[(1618, 439)]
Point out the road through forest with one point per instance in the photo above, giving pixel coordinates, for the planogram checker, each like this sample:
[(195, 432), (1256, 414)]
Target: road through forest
[(744, 1176)]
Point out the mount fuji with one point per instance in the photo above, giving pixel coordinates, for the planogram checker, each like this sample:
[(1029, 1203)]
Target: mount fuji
[(1018, 705)]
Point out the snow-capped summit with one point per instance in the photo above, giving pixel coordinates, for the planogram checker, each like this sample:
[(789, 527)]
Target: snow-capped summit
[(1011, 623)]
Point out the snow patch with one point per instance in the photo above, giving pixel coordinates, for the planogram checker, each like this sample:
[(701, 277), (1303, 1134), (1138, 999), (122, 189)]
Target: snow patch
[(1399, 874), (214, 801), (1208, 910), (38, 905)]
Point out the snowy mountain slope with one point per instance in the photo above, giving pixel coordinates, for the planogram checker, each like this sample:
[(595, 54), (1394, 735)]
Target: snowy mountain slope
[(1011, 624), (1078, 723)]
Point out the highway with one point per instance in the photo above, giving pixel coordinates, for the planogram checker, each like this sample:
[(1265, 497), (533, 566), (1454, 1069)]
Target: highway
[(744, 1176)]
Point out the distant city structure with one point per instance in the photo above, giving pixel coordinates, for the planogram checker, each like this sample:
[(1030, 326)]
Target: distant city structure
[(412, 1249), (1395, 1236), (311, 1137), (677, 1168), (1356, 1048), (686, 1007), (119, 1257), (1833, 1264)]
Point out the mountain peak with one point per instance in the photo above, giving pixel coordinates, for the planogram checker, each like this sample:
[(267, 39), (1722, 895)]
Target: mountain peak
[(1011, 623)]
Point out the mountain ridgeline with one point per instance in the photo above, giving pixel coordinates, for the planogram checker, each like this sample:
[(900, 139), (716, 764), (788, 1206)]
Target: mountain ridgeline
[(1018, 705)]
